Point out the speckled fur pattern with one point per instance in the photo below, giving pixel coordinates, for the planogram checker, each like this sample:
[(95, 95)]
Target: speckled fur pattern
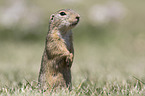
[(55, 71)]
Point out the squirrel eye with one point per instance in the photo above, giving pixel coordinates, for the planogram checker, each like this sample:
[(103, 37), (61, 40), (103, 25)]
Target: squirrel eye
[(62, 13)]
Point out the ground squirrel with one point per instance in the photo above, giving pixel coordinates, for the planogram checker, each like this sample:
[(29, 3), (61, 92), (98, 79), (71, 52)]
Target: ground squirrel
[(58, 55)]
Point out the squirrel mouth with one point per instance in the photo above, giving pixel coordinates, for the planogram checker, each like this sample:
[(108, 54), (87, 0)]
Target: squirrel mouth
[(74, 23)]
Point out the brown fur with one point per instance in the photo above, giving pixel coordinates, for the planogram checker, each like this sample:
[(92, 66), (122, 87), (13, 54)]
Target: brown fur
[(55, 71)]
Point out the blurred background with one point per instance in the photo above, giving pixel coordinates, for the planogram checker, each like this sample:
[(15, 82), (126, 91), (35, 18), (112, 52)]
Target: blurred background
[(109, 41)]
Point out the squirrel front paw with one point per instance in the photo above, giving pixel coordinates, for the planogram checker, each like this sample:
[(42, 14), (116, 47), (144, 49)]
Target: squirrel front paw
[(69, 60)]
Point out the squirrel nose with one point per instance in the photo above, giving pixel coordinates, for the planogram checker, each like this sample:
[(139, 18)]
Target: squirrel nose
[(78, 18)]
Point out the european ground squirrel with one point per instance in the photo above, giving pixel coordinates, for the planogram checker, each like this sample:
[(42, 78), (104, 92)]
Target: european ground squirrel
[(58, 55)]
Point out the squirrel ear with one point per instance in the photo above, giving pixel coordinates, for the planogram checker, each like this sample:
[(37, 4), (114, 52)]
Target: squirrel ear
[(51, 17)]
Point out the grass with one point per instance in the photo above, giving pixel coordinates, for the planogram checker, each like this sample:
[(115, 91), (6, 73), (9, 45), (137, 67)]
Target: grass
[(85, 87), (109, 72)]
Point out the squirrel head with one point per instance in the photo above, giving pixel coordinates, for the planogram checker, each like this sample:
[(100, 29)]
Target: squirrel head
[(64, 20)]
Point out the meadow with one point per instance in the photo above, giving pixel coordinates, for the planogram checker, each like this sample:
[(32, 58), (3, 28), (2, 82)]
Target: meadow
[(109, 48)]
